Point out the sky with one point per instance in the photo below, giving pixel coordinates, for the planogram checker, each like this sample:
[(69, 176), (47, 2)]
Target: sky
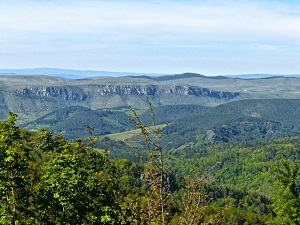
[(210, 37)]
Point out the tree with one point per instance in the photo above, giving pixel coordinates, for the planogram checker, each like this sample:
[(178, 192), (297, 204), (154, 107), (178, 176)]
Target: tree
[(155, 174), (192, 203), (77, 186), (287, 203), (13, 173)]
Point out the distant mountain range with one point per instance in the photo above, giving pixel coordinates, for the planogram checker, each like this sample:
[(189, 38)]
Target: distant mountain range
[(69, 73), (261, 76), (81, 74)]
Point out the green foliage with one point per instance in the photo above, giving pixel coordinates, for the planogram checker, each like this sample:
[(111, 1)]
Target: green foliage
[(13, 173), (243, 166), (287, 203), (54, 182), (47, 180), (77, 188)]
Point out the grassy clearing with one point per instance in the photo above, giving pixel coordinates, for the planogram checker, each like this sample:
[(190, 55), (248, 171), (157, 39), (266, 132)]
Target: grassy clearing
[(122, 136)]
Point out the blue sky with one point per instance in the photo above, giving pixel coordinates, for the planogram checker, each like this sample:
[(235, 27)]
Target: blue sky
[(171, 36)]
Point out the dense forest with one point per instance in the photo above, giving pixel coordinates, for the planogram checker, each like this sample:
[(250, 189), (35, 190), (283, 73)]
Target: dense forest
[(189, 125), (48, 180)]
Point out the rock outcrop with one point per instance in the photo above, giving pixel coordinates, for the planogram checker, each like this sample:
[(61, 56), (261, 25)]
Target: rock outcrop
[(65, 93), (82, 94)]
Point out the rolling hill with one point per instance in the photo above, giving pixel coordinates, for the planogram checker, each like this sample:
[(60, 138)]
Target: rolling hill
[(245, 120), (202, 109), (238, 121), (72, 122)]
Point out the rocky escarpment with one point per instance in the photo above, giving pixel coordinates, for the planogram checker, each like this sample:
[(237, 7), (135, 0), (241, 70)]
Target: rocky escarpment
[(83, 93), (162, 90), (201, 92), (66, 93), (123, 89)]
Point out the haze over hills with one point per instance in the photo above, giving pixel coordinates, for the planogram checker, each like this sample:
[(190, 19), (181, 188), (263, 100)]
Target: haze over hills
[(260, 76), (80, 74), (69, 73)]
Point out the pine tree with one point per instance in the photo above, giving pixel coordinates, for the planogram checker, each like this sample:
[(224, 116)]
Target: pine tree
[(287, 204)]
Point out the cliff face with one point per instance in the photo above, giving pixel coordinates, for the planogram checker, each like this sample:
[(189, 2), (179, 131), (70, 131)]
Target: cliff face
[(82, 94), (32, 97), (32, 100), (64, 93), (201, 92), (125, 89)]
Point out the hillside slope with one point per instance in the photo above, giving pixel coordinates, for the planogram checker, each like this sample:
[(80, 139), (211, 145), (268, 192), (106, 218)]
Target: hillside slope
[(72, 122), (238, 121)]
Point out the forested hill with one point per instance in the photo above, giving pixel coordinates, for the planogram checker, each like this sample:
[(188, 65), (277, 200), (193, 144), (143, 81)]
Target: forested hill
[(237, 121), (47, 180), (188, 124)]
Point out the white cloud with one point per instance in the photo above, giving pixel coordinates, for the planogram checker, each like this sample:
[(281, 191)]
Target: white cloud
[(96, 17), (118, 29)]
